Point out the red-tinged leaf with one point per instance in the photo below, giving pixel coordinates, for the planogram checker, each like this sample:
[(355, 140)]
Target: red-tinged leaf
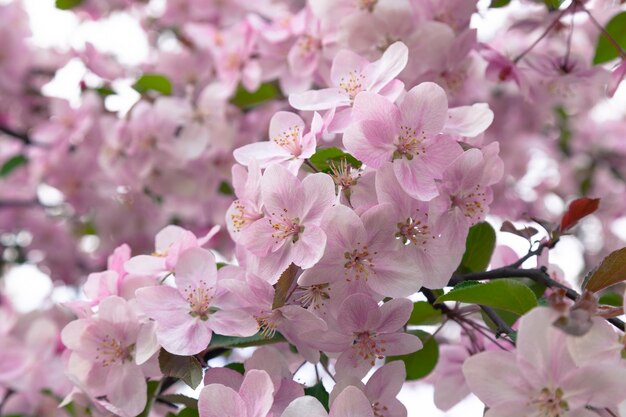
[(578, 209), (612, 270), (283, 286), (527, 232)]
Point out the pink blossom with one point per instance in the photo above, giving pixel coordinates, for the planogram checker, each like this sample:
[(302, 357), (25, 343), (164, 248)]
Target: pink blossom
[(253, 399), (186, 316), (288, 143), (365, 332), (351, 74), (350, 403), (290, 231), (381, 389), (434, 243), (169, 244), (408, 135), (363, 250), (105, 355), (464, 193), (540, 377)]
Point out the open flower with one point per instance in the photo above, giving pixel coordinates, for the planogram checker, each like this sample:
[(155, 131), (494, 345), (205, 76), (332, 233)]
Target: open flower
[(186, 316), (407, 134), (541, 378)]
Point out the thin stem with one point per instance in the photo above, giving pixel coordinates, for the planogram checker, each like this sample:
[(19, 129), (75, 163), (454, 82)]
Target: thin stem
[(537, 275), (501, 326), (543, 35), (310, 165), (606, 34), (569, 41), (17, 135)]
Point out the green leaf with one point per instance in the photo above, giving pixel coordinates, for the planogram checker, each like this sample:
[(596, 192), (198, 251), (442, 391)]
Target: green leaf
[(188, 402), (479, 246), (67, 4), (12, 163), (236, 366), (421, 363), (185, 368), (553, 4), (505, 294), (499, 3), (612, 299), (612, 270), (226, 189), (425, 313), (616, 28), (322, 159), (153, 82), (152, 390), (318, 391), (219, 341), (245, 99)]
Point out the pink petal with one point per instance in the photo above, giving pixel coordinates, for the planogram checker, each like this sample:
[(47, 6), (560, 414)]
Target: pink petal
[(415, 178), (345, 62), (386, 382), (223, 376), (598, 385), (351, 403), (126, 388), (508, 386), (145, 265), (400, 343), (324, 99), (187, 338), (285, 121), (319, 195), (394, 315), (358, 313), (196, 268), (305, 406), (265, 154), (218, 401), (257, 391), (282, 192), (233, 323), (388, 67), (370, 142), (469, 121), (310, 246), (425, 108)]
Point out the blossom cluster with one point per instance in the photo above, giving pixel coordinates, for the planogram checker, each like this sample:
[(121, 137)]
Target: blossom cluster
[(320, 224)]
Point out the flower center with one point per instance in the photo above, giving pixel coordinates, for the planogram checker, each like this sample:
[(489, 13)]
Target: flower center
[(289, 139), (314, 296), (380, 410), (242, 217), (550, 403), (199, 300), (111, 350), (343, 175), (285, 227), (359, 263), (366, 4), (268, 322), (367, 346), (409, 143), (472, 204), (414, 231), (352, 84)]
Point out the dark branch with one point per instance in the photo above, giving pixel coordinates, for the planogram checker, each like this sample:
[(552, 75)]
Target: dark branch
[(18, 135)]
